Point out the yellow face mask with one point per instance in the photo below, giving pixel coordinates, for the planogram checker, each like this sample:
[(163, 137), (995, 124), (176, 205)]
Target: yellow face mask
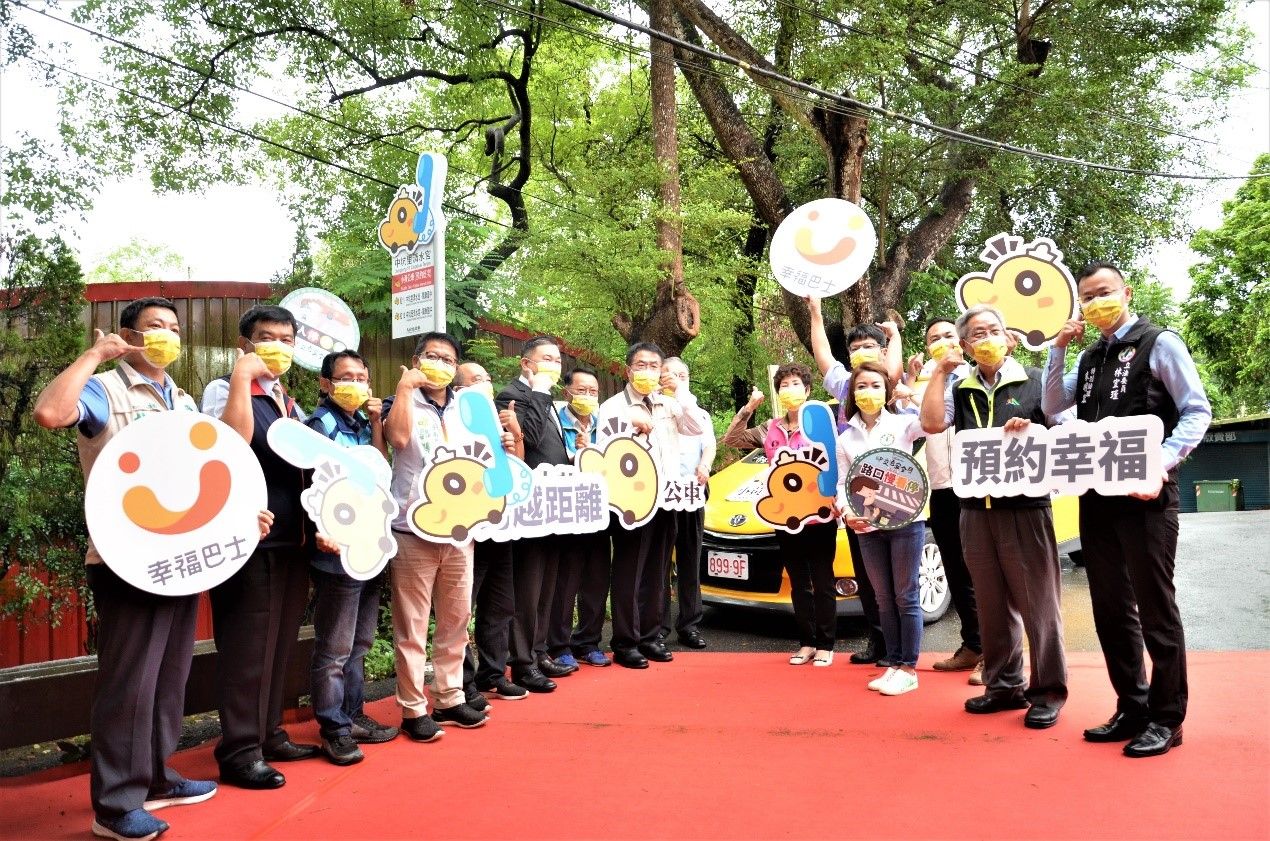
[(276, 356), (550, 369), (865, 354), (436, 372), (162, 347), (941, 346), (791, 397), (989, 350), (350, 396), (584, 405), (1103, 312), (645, 381), (870, 400)]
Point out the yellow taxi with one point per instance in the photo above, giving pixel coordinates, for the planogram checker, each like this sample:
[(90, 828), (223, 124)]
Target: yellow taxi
[(740, 560)]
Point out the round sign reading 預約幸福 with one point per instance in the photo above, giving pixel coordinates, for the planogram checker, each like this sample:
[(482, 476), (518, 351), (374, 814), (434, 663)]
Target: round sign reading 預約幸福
[(822, 248), (173, 501), (324, 324)]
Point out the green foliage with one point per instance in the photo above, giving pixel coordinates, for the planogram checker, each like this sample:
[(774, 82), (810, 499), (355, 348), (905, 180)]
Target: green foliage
[(380, 661), (136, 260), (42, 532), (1226, 314)]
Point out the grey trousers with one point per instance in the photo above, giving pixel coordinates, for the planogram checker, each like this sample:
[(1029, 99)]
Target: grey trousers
[(1013, 559)]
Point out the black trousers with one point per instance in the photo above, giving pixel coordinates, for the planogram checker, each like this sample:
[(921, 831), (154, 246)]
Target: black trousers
[(593, 595), (493, 604), (144, 646), (534, 568), (945, 524), (256, 616), (638, 584), (868, 597), (1130, 546), (584, 564), (808, 559), (689, 526)]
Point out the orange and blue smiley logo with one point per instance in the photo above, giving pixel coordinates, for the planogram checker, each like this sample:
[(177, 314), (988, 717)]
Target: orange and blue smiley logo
[(143, 508)]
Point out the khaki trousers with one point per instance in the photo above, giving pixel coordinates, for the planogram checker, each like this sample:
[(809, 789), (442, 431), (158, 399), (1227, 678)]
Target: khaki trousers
[(430, 577)]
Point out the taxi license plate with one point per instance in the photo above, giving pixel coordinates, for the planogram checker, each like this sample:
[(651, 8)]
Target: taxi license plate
[(728, 565)]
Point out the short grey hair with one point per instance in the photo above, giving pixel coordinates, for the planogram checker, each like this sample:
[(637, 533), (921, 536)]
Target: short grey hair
[(963, 321), (674, 360)]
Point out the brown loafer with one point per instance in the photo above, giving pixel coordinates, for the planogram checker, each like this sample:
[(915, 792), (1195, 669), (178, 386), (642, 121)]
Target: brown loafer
[(963, 660)]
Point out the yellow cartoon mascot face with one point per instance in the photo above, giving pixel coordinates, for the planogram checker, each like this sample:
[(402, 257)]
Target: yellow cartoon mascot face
[(396, 231), (359, 518), (455, 499), (1029, 284), (628, 470), (792, 495)]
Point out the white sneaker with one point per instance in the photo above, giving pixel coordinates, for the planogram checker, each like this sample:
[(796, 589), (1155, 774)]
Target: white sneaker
[(877, 684), (899, 683)]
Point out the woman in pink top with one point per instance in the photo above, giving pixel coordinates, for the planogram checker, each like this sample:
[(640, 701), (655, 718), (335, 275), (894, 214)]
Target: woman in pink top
[(807, 555)]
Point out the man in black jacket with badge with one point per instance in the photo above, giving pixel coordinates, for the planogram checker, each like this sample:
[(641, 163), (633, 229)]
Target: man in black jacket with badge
[(536, 558)]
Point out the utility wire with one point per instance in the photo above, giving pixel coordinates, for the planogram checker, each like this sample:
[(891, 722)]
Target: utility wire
[(954, 134), (266, 97), (168, 109)]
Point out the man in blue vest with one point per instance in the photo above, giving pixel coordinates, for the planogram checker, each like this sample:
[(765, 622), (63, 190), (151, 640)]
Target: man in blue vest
[(1130, 542), (256, 613), (346, 609)]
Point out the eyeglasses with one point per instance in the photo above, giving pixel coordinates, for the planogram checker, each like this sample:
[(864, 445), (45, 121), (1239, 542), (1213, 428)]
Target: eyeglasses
[(353, 380), (432, 356), (584, 392), (985, 333)]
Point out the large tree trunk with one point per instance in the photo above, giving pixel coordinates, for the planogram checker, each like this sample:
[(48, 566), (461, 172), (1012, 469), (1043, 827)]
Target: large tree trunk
[(675, 317)]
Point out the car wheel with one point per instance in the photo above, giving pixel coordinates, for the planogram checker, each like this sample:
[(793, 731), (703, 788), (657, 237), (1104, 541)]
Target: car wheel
[(932, 583)]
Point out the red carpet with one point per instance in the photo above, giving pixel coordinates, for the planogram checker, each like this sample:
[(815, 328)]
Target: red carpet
[(744, 746)]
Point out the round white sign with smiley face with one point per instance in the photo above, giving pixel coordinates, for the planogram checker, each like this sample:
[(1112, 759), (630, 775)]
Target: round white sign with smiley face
[(172, 503), (822, 248)]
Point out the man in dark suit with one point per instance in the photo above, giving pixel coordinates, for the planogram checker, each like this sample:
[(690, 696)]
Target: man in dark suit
[(536, 559)]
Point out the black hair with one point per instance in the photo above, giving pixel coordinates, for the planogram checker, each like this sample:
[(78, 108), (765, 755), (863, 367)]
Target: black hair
[(792, 369), (1097, 266), (328, 361), (537, 341), (866, 331), (128, 318), (264, 314), (437, 336), (938, 319), (645, 346), (567, 379)]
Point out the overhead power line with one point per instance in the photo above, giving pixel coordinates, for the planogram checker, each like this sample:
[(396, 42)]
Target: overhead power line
[(951, 133)]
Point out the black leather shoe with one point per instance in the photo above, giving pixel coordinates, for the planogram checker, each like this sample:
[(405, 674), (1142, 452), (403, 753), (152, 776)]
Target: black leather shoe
[(691, 639), (981, 704), (868, 657), (1120, 728), (551, 668), (630, 658), (257, 775), (534, 681), (1153, 741), (1038, 718), (656, 651), (289, 751)]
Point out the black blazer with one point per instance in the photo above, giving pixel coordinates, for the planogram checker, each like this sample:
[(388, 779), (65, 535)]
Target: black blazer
[(544, 443)]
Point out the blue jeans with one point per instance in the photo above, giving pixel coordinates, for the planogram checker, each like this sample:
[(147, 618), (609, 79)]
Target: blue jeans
[(345, 616), (893, 559)]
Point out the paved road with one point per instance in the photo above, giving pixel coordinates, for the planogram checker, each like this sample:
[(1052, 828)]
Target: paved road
[(1223, 584)]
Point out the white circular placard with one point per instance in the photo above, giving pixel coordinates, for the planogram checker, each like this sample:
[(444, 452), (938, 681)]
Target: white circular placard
[(822, 248), (172, 503), (324, 324)]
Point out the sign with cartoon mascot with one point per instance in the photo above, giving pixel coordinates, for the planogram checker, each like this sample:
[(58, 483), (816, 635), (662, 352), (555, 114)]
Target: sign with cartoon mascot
[(1028, 282)]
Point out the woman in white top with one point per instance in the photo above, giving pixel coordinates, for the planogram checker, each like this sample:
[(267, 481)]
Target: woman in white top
[(892, 557)]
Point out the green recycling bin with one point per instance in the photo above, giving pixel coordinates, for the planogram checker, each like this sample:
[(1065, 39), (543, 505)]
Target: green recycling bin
[(1217, 495)]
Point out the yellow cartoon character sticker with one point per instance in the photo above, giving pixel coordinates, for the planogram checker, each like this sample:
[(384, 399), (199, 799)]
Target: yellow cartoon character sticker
[(792, 496), (455, 496), (627, 466), (1028, 283)]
